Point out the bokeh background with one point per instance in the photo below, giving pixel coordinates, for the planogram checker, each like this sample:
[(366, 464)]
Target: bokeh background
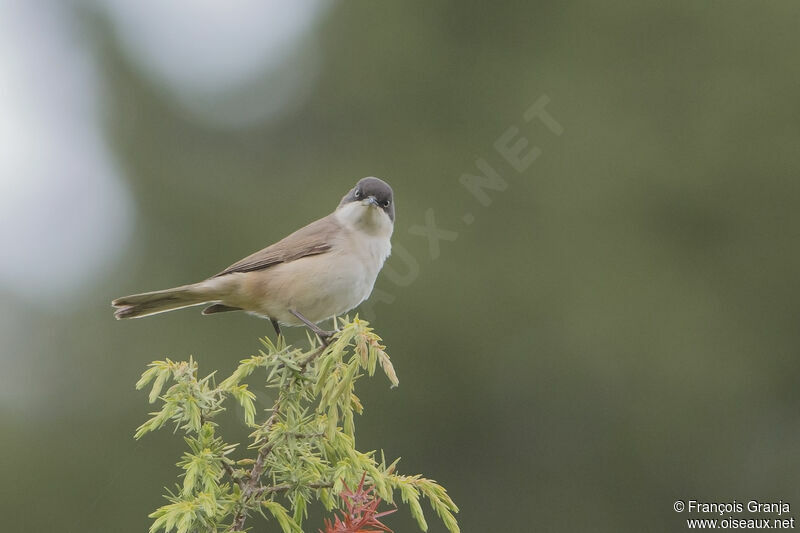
[(618, 329)]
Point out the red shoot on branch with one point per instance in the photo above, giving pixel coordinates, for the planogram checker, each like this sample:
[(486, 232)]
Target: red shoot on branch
[(362, 514)]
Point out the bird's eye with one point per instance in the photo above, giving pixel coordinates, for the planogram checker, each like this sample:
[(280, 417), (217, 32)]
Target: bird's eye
[(386, 203), (358, 194)]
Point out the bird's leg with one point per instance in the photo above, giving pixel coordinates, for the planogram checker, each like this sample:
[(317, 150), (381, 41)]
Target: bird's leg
[(276, 326), (321, 333)]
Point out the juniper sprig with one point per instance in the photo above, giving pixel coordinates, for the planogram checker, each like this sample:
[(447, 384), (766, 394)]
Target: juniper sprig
[(302, 453)]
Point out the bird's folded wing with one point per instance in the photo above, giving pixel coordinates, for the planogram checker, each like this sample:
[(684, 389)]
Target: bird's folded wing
[(314, 239)]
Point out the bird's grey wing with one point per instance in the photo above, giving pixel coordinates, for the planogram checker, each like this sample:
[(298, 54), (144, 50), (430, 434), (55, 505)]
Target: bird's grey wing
[(314, 239)]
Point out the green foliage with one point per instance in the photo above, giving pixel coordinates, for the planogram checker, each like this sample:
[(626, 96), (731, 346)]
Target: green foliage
[(303, 452)]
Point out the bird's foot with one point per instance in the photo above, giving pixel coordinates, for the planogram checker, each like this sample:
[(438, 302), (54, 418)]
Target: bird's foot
[(323, 335)]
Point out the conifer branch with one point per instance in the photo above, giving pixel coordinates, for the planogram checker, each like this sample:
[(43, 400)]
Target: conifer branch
[(286, 486), (305, 447), (250, 485), (310, 359)]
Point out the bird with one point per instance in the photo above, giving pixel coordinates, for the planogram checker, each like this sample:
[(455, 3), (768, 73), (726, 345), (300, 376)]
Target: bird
[(322, 270)]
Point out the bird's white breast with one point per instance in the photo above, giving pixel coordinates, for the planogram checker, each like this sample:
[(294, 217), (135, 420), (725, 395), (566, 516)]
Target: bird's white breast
[(366, 234)]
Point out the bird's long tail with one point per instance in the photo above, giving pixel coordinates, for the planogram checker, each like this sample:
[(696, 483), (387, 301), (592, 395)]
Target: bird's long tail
[(151, 303)]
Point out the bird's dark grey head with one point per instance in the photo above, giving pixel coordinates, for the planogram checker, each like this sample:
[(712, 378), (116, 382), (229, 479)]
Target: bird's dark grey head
[(372, 190)]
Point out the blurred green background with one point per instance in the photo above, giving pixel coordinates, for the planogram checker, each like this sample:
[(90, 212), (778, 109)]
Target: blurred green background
[(618, 329)]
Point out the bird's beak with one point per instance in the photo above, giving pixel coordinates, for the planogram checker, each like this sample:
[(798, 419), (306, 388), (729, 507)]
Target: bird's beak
[(369, 200)]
